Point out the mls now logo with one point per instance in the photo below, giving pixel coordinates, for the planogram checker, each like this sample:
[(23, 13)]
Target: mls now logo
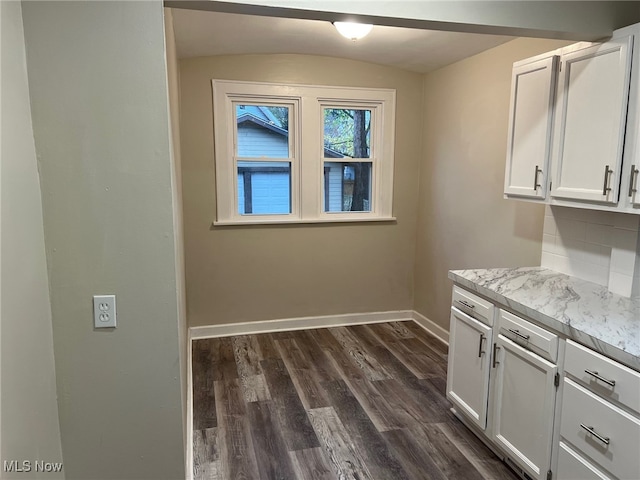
[(28, 466)]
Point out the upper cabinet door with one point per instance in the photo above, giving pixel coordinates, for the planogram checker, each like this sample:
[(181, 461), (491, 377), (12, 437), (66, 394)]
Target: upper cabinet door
[(530, 125), (591, 113)]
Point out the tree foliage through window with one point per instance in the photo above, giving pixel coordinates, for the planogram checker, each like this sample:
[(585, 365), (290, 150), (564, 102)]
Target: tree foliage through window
[(348, 132)]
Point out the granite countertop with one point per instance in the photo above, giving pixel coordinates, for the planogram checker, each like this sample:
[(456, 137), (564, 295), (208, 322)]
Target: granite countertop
[(584, 311)]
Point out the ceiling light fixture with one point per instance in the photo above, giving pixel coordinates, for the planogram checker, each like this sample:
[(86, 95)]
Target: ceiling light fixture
[(353, 31)]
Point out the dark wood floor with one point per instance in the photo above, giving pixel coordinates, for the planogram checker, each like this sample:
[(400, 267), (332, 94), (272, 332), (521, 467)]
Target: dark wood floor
[(361, 402)]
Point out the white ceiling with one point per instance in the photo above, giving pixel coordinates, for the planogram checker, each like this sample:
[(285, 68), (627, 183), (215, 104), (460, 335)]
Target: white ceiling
[(201, 33)]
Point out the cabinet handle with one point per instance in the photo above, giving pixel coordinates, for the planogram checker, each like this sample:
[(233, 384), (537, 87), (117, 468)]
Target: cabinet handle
[(517, 332), (632, 179), (480, 352), (466, 304), (607, 176), (495, 355), (604, 440), (602, 379), (535, 178)]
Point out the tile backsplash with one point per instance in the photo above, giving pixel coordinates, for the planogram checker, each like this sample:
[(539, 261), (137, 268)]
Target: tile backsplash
[(601, 247)]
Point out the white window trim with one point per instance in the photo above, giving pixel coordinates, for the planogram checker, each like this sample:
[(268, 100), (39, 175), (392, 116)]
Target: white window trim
[(306, 148)]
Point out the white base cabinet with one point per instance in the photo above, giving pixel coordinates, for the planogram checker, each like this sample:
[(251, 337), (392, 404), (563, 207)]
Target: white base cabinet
[(556, 409), (500, 383)]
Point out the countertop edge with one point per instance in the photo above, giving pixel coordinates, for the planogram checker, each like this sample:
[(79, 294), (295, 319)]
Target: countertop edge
[(579, 336)]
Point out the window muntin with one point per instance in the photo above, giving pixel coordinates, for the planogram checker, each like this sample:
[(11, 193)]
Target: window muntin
[(333, 161)]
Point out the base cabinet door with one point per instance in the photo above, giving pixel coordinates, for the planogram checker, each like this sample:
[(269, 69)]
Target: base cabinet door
[(468, 369), (523, 406)]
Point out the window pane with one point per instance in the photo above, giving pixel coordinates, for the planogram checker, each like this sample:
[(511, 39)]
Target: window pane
[(264, 188), (347, 187), (262, 131), (347, 133)]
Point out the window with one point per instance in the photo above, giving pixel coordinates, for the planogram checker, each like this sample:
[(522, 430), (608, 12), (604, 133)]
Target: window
[(296, 153)]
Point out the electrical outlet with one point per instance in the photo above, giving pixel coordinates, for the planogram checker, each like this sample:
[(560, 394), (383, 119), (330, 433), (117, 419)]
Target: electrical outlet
[(104, 311)]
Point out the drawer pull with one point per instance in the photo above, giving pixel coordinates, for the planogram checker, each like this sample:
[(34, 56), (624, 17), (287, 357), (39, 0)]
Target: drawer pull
[(517, 332), (480, 352), (466, 304), (604, 440), (602, 379)]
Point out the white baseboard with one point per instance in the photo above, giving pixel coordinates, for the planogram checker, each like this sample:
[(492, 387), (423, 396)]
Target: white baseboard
[(302, 323), (431, 327)]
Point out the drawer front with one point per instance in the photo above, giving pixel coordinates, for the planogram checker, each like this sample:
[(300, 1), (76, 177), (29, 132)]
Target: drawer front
[(580, 360), (473, 305), (571, 466), (614, 443), (528, 335)]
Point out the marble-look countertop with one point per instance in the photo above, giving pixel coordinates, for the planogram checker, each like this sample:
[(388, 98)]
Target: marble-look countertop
[(584, 311)]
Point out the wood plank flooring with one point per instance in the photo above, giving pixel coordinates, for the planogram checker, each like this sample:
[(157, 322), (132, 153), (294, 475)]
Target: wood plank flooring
[(365, 402)]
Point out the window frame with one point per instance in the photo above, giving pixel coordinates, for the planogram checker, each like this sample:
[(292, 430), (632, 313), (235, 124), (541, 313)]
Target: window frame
[(306, 147)]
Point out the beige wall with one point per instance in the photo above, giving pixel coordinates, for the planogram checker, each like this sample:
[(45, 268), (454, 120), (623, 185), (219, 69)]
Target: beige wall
[(30, 429), (98, 85), (249, 273), (463, 221)]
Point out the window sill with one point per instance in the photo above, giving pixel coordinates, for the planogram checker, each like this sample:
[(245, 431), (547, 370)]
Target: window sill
[(302, 221)]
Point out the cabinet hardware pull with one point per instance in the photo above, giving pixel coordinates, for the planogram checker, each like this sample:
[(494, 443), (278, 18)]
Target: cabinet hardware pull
[(495, 354), (466, 304), (535, 178), (602, 379), (517, 332), (607, 175), (480, 352), (634, 174), (604, 440)]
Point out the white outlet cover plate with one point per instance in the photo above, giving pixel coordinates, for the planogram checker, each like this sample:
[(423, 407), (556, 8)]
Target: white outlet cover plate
[(104, 311)]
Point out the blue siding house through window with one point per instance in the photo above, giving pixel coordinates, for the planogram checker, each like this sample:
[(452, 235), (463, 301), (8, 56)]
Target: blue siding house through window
[(260, 136)]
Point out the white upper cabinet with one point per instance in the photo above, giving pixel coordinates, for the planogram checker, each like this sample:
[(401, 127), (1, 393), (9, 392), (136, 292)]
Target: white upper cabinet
[(630, 185), (574, 126), (530, 125), (591, 112)]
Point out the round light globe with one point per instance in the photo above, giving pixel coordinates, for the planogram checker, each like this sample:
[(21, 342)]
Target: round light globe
[(353, 31)]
